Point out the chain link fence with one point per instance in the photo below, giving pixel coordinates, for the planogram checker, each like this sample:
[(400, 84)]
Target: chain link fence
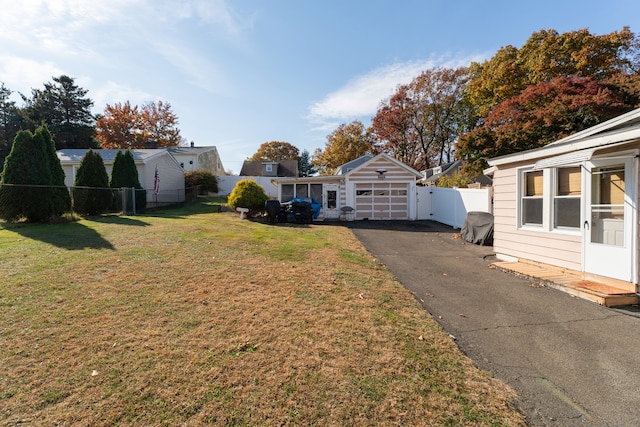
[(126, 201)]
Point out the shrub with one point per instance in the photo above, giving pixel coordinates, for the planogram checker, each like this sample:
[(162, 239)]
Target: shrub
[(91, 173), (27, 168), (205, 180), (125, 175), (61, 201), (459, 179), (248, 194)]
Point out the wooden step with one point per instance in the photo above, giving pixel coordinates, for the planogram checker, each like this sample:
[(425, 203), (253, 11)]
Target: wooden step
[(606, 292)]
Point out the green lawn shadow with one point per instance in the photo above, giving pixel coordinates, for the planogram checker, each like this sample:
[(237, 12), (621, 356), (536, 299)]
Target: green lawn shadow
[(71, 236)]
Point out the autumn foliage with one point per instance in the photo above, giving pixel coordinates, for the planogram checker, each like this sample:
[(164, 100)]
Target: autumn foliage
[(541, 114), (275, 151), (123, 126)]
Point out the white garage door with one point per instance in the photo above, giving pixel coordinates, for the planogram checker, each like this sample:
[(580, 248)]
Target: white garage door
[(382, 200)]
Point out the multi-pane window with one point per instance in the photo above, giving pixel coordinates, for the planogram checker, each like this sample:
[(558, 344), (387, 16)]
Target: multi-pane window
[(566, 199), (532, 198)]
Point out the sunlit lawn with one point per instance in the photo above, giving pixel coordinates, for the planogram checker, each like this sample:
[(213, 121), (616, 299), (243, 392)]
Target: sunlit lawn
[(190, 317)]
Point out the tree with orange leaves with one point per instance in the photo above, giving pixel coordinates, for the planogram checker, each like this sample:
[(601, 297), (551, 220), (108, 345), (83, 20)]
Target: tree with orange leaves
[(125, 126)]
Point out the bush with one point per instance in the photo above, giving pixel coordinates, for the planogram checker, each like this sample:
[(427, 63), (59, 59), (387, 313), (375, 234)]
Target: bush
[(125, 175), (205, 180), (27, 167), (91, 173), (248, 194), (459, 179)]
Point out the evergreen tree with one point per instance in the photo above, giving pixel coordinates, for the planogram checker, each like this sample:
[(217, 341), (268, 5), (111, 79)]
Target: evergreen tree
[(91, 173), (10, 122), (66, 110), (27, 172), (61, 201), (305, 168), (125, 175)]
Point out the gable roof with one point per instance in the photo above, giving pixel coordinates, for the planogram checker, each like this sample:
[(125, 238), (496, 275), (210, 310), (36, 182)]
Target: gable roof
[(191, 150), (384, 156), (345, 168), (581, 145), (285, 168)]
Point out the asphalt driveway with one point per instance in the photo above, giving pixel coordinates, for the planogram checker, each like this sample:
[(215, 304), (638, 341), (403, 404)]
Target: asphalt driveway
[(572, 362)]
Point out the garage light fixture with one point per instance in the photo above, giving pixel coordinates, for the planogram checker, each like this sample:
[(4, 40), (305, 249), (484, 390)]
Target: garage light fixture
[(381, 173)]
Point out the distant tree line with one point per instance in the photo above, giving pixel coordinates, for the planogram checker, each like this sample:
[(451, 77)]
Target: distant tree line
[(65, 109), (521, 98)]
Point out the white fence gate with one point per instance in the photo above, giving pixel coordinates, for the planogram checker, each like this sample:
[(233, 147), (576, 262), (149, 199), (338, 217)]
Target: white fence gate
[(451, 205), (226, 184)]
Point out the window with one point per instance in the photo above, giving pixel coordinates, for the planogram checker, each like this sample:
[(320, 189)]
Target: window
[(566, 199), (532, 198), (268, 168), (302, 190), (287, 192)]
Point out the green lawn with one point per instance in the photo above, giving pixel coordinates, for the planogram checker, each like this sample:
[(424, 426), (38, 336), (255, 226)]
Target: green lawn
[(191, 316)]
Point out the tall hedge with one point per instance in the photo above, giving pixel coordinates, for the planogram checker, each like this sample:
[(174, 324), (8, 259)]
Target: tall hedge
[(125, 175), (61, 200), (27, 169), (91, 173), (204, 180)]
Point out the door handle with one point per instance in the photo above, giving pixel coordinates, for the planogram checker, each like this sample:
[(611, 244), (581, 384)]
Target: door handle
[(586, 225)]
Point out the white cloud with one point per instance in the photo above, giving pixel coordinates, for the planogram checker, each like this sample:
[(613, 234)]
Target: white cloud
[(112, 92), (22, 75), (361, 96)]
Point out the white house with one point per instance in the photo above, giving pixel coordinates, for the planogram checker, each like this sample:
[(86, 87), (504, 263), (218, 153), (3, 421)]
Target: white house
[(573, 203), (376, 188), (170, 174), (198, 158)]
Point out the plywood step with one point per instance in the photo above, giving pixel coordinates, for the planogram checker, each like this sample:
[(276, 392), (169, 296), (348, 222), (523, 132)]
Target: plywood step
[(607, 292)]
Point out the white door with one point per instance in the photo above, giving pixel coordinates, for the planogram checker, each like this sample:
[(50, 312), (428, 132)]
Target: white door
[(330, 201), (608, 231)]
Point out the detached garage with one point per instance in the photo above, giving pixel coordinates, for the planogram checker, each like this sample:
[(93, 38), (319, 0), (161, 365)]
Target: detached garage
[(377, 188)]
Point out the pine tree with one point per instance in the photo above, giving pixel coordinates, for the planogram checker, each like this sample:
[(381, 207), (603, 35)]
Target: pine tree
[(91, 173)]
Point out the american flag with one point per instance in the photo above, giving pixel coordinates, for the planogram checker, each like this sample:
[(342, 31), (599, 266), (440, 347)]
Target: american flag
[(156, 182)]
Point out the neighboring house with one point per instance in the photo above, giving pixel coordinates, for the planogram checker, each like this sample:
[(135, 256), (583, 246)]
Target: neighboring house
[(198, 158), (379, 187), (431, 176), (170, 174), (279, 168), (574, 202)]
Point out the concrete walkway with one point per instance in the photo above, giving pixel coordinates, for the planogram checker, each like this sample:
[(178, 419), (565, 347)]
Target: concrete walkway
[(572, 362)]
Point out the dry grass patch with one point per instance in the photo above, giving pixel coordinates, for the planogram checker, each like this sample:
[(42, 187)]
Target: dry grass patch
[(191, 317)]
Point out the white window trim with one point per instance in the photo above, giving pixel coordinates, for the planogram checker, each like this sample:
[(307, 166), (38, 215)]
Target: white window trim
[(548, 192), (520, 182), (553, 189)]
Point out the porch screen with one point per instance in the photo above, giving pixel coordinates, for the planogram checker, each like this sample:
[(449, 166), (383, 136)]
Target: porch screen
[(302, 190), (532, 198), (566, 200), (316, 192), (287, 192), (607, 205)]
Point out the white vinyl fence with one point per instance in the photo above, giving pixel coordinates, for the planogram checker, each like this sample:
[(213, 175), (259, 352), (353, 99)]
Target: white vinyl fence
[(226, 184), (451, 205)]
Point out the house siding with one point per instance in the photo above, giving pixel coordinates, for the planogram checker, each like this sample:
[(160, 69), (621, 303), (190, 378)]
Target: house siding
[(564, 250), (382, 207)]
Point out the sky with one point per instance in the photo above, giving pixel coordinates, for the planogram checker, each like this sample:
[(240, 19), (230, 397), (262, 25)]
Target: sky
[(239, 73)]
